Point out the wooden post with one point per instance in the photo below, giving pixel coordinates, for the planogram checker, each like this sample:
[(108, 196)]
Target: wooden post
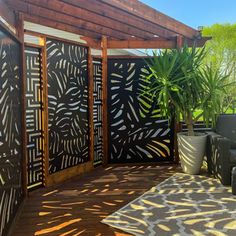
[(104, 100), (45, 114), (91, 103), (179, 41), (20, 28)]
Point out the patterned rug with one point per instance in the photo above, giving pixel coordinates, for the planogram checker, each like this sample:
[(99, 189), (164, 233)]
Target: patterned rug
[(181, 205)]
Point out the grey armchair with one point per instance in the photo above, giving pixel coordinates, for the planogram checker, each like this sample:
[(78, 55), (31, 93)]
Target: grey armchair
[(221, 148)]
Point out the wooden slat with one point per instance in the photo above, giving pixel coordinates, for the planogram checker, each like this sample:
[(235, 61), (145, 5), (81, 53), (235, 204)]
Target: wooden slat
[(49, 11), (32, 45), (151, 44), (69, 173), (20, 28), (104, 100), (84, 16), (60, 26), (142, 10), (90, 198), (103, 9), (91, 103), (116, 19), (8, 21), (89, 41), (118, 44), (45, 115), (179, 41), (7, 14), (95, 44), (199, 42), (71, 21)]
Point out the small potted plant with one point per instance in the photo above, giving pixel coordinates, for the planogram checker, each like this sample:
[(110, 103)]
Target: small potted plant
[(183, 88)]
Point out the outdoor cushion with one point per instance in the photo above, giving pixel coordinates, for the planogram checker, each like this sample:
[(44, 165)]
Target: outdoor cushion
[(221, 148), (232, 155), (233, 145), (226, 127)]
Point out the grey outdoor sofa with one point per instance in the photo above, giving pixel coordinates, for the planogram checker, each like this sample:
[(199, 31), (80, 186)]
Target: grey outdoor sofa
[(221, 148)]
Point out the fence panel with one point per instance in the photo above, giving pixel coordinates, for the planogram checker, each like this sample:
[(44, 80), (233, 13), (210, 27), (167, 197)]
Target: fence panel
[(97, 112), (34, 117), (67, 66), (11, 193), (135, 134)]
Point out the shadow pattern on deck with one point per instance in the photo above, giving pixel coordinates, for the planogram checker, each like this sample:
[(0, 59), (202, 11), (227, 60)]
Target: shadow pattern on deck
[(76, 207)]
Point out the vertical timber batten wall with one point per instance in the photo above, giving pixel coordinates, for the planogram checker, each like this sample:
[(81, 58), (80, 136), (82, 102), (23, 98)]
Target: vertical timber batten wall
[(136, 133)]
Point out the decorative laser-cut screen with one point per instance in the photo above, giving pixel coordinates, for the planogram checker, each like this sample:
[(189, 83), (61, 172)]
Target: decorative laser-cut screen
[(97, 111), (67, 105), (34, 117), (11, 193), (136, 134)]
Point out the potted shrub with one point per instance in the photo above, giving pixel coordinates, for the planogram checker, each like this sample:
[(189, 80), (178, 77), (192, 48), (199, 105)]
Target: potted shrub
[(186, 91)]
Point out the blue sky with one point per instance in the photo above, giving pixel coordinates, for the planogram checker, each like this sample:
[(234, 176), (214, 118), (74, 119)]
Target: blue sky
[(197, 12)]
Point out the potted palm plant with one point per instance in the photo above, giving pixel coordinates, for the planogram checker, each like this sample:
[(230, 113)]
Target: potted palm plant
[(182, 88)]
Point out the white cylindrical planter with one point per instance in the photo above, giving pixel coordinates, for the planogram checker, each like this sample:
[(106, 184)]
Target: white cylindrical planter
[(191, 152)]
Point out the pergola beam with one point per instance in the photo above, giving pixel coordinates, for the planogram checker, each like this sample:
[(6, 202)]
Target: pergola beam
[(141, 44), (112, 13), (60, 26), (137, 8), (95, 22), (85, 15), (153, 44), (126, 24), (71, 21), (7, 13)]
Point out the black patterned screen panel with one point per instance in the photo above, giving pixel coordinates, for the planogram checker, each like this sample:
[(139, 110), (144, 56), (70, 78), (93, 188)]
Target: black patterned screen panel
[(10, 131), (136, 133), (67, 105), (34, 117), (97, 111)]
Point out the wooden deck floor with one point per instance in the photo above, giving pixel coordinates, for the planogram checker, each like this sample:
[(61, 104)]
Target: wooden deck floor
[(76, 207)]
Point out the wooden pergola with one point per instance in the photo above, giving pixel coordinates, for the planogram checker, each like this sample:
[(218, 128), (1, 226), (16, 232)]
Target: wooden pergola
[(102, 24), (125, 23)]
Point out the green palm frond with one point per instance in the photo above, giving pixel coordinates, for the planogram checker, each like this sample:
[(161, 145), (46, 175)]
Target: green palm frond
[(179, 79), (215, 85)]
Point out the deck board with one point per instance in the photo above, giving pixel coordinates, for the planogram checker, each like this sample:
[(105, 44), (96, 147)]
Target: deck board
[(77, 206)]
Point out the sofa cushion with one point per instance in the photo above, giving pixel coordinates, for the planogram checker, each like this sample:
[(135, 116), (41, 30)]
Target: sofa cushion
[(233, 145), (232, 155), (226, 126)]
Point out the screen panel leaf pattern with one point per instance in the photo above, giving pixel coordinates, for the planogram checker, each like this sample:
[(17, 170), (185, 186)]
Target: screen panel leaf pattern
[(97, 111), (138, 132), (67, 104), (11, 193)]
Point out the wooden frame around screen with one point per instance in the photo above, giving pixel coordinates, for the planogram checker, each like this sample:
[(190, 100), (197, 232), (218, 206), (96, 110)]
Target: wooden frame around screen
[(51, 179), (19, 38), (44, 109), (63, 175)]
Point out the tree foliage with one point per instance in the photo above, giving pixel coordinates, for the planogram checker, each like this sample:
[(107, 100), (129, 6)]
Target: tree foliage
[(221, 51), (222, 47)]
